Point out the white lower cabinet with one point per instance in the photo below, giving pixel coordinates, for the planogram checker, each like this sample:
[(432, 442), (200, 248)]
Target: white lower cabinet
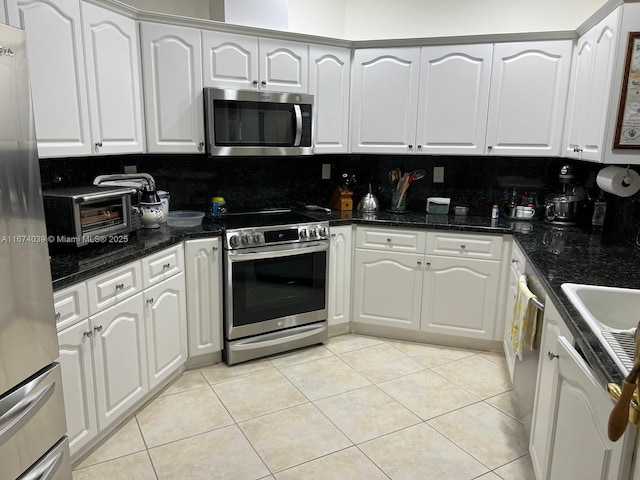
[(388, 288), (203, 266), (120, 360), (339, 284), (571, 410), (453, 289), (166, 328), (460, 296), (76, 365), (128, 346)]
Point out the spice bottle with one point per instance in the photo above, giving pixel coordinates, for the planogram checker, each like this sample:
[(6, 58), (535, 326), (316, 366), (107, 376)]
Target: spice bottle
[(495, 212)]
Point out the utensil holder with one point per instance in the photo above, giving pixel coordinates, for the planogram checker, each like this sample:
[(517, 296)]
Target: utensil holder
[(395, 196)]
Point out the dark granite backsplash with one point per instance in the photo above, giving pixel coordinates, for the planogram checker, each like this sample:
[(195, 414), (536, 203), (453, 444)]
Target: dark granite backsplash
[(249, 183)]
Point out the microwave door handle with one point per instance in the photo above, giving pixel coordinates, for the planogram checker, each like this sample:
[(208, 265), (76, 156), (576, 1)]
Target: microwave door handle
[(298, 112)]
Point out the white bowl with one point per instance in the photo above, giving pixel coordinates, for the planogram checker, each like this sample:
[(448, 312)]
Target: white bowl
[(184, 218)]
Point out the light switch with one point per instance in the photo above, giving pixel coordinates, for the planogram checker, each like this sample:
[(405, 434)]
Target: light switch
[(438, 174), (326, 171)]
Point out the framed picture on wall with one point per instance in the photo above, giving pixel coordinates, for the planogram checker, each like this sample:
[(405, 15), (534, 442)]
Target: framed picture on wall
[(628, 124)]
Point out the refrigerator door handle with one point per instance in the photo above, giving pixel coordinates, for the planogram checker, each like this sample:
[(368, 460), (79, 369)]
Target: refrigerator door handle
[(19, 407), (47, 470)]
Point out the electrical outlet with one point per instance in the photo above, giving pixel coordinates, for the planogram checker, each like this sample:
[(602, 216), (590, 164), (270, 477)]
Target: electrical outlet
[(438, 174), (130, 169), (326, 171)]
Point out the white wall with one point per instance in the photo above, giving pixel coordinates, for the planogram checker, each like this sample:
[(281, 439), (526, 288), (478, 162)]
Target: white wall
[(185, 8), (379, 19), (376, 19), (272, 14)]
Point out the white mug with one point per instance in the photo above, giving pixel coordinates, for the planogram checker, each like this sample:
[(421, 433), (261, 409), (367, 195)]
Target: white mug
[(525, 212)]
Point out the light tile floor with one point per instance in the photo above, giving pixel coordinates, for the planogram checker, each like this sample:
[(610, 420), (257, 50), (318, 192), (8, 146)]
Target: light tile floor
[(356, 408)]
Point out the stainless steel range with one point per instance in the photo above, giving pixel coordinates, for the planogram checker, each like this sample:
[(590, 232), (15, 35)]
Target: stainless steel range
[(275, 283)]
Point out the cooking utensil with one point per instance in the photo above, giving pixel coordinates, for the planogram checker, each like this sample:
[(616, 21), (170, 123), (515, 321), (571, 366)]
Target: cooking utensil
[(419, 174), (619, 416)]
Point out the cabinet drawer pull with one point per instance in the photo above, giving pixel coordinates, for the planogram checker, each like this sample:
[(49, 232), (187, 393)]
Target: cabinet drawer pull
[(120, 286), (514, 260), (552, 355), (214, 249), (166, 266), (98, 328), (463, 246), (419, 264), (58, 315), (388, 240)]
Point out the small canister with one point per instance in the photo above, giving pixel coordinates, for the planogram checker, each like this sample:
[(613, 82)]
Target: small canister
[(218, 206)]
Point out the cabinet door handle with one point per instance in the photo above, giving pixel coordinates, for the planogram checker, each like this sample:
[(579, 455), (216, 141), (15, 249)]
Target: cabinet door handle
[(98, 328), (58, 315), (552, 355), (515, 260), (214, 249), (88, 334), (419, 264), (463, 246), (98, 145), (388, 240), (149, 301), (489, 147), (410, 147), (419, 147), (255, 83), (263, 83), (200, 146)]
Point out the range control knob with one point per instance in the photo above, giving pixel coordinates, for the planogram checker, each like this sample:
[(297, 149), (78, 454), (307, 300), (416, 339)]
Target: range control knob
[(235, 241), (258, 238), (322, 231), (303, 233), (313, 232), (246, 239)]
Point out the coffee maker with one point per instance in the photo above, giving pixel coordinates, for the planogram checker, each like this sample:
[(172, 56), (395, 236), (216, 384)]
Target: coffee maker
[(562, 208)]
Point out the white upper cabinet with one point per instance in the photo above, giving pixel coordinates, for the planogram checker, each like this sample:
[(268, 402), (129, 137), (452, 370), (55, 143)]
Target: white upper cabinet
[(594, 56), (384, 103), (3, 12), (284, 66), (113, 74), (329, 75), (529, 84), (230, 61), (57, 73), (245, 62), (453, 99), (172, 71)]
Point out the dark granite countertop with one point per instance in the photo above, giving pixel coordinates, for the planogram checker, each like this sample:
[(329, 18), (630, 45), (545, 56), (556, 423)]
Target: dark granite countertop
[(72, 266), (557, 255)]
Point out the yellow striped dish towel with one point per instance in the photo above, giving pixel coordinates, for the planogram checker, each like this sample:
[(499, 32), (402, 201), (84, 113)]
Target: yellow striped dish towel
[(523, 320)]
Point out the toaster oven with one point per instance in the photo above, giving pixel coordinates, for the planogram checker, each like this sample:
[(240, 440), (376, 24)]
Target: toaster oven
[(83, 215)]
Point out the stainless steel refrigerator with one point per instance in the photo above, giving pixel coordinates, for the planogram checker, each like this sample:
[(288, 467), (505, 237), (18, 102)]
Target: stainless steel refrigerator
[(33, 444)]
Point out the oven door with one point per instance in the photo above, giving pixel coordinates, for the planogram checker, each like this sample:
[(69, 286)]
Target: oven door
[(274, 288)]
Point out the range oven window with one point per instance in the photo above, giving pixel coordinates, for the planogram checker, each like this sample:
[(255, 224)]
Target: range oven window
[(272, 288)]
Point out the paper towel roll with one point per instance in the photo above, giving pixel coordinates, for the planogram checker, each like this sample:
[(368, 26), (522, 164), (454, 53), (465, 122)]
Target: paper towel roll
[(620, 181)]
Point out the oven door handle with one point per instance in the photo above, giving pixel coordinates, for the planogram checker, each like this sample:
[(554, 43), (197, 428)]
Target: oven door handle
[(288, 251)]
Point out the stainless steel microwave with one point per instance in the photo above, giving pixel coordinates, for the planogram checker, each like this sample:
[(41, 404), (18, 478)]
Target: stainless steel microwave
[(246, 122), (83, 215)]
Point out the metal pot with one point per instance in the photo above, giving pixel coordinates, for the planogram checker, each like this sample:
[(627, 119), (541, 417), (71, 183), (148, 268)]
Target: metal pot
[(561, 208)]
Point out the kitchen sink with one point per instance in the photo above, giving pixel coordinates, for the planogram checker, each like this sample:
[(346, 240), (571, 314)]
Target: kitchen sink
[(612, 313)]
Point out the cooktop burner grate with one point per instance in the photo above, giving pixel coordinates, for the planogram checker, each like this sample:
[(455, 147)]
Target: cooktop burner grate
[(623, 344)]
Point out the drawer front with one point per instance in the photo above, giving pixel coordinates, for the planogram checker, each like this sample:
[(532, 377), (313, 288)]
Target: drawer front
[(472, 246), (397, 240), (115, 285), (71, 305), (162, 265)]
